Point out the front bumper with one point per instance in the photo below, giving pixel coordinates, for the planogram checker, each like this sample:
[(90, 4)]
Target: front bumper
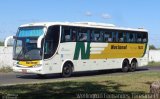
[(34, 70)]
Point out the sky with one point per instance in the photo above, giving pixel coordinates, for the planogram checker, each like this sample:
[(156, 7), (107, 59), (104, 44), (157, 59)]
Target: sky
[(122, 13)]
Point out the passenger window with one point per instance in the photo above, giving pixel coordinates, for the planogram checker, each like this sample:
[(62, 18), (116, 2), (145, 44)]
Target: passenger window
[(107, 37), (120, 37), (139, 37), (131, 37), (67, 35), (144, 37), (115, 36), (96, 36), (125, 37), (73, 37), (83, 35)]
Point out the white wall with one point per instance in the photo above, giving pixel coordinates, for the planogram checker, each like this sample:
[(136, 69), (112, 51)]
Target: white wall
[(5, 56), (154, 55)]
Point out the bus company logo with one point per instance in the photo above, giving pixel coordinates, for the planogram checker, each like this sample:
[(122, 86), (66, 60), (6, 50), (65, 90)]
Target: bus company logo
[(80, 48), (140, 47), (31, 62), (118, 47)]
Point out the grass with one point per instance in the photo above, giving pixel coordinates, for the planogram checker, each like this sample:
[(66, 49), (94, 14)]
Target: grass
[(5, 69), (128, 83), (154, 63)]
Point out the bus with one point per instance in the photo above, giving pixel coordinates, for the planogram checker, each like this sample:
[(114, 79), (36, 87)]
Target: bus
[(67, 47)]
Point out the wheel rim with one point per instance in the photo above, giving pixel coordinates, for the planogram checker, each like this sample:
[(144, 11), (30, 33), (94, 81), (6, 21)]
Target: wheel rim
[(67, 70), (125, 66), (133, 66)]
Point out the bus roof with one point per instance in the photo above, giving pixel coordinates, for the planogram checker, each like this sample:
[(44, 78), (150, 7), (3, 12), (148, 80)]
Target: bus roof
[(84, 24)]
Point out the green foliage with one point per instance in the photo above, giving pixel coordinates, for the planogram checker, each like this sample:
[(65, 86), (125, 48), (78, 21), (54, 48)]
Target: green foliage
[(71, 88), (152, 47), (5, 69), (1, 43), (152, 63)]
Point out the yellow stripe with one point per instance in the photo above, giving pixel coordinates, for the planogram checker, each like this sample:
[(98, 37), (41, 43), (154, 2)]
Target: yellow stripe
[(29, 63), (120, 50)]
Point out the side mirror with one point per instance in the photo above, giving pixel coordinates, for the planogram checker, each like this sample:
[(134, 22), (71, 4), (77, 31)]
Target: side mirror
[(39, 41), (6, 40)]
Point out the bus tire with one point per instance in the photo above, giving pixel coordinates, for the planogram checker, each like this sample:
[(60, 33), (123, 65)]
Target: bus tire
[(67, 69), (133, 66), (125, 66)]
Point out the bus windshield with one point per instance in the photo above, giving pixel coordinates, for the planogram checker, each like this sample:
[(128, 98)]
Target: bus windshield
[(25, 47)]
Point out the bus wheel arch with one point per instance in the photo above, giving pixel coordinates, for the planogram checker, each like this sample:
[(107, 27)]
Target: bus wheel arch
[(67, 68), (125, 65), (133, 65)]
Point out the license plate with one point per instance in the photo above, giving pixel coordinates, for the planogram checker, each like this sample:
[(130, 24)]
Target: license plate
[(24, 71)]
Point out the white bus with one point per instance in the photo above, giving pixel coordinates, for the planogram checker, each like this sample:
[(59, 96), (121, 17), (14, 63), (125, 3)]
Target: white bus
[(67, 47)]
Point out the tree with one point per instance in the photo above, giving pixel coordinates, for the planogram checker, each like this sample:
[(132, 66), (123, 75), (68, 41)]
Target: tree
[(1, 43), (152, 47)]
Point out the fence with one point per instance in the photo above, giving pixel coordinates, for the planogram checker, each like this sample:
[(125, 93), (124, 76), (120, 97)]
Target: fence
[(154, 55), (5, 57)]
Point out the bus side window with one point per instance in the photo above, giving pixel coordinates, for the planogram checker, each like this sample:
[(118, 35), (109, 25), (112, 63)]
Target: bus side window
[(144, 40), (120, 37), (83, 35), (92, 35), (131, 37), (107, 37), (139, 37), (67, 35), (114, 36), (125, 37), (74, 34), (97, 37)]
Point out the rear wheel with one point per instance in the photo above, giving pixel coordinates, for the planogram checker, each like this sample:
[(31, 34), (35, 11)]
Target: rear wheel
[(133, 66), (67, 70), (125, 66)]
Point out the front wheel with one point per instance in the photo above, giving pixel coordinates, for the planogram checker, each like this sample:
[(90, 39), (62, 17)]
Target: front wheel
[(67, 70)]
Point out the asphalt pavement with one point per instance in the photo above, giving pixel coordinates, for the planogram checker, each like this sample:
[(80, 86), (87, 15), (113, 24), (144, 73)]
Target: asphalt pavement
[(17, 78)]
